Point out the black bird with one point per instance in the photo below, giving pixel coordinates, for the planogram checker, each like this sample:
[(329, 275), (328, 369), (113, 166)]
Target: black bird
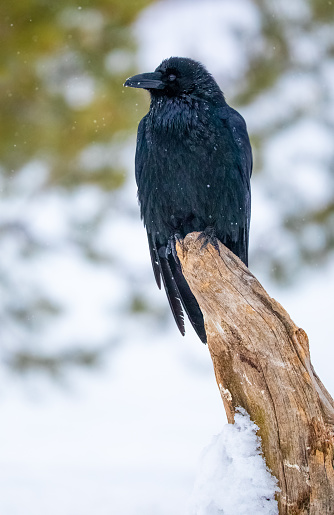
[(193, 166)]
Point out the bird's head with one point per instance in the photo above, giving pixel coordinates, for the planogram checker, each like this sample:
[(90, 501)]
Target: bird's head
[(177, 77)]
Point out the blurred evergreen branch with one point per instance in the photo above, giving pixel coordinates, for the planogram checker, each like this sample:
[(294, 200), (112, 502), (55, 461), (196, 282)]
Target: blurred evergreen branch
[(62, 66)]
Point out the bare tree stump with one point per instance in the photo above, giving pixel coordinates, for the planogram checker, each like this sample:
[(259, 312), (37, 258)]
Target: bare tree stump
[(262, 363)]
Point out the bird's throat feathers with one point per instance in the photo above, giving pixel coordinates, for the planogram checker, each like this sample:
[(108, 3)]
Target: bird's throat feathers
[(182, 113)]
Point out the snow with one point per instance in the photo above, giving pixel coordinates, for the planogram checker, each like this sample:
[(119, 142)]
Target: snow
[(233, 478), (124, 440)]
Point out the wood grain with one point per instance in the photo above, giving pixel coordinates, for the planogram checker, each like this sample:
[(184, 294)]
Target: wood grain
[(262, 362)]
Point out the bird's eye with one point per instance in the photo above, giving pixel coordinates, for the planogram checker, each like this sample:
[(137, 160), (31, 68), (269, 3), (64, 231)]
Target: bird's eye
[(171, 77)]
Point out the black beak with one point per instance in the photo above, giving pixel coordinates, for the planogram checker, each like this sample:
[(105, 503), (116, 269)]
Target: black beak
[(146, 81)]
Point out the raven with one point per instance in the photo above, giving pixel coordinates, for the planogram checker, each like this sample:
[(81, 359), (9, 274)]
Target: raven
[(193, 165)]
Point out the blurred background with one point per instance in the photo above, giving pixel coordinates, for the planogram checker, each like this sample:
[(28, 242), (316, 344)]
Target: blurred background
[(104, 407)]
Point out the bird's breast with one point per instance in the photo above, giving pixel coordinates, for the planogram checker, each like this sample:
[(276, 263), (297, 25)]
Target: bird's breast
[(190, 175)]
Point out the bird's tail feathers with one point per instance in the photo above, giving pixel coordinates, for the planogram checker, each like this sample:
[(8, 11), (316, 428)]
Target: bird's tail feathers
[(172, 291), (189, 301), (154, 260), (177, 289)]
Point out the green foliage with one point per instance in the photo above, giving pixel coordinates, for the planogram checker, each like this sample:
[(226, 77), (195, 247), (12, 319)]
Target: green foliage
[(50, 49), (62, 66)]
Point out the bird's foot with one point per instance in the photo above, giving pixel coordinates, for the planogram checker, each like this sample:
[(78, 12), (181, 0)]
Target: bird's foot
[(171, 247), (209, 236)]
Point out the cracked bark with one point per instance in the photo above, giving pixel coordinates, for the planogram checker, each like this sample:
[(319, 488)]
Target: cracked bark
[(262, 362)]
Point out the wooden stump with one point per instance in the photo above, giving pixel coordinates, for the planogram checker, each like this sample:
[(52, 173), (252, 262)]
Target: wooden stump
[(262, 363)]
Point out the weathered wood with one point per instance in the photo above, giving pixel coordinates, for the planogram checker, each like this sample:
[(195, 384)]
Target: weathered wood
[(262, 362)]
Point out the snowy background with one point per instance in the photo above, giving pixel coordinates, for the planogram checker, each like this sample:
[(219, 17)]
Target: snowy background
[(126, 437)]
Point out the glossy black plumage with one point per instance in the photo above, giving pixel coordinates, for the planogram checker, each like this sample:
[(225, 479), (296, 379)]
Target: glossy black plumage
[(193, 168)]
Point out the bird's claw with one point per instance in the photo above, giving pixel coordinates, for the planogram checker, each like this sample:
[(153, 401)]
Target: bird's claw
[(209, 236)]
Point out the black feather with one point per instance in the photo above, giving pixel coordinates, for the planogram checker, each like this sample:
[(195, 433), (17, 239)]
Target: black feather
[(154, 260), (189, 302), (193, 169), (172, 290)]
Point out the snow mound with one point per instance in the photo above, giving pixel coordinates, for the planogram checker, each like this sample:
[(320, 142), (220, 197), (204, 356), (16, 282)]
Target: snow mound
[(233, 478)]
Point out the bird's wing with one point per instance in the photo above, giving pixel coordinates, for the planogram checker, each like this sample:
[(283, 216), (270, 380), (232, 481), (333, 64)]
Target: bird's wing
[(160, 263), (141, 149), (141, 153), (241, 138), (177, 289), (240, 135)]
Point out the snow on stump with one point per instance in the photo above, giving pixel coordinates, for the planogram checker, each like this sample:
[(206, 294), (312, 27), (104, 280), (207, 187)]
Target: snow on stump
[(262, 363), (232, 478)]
